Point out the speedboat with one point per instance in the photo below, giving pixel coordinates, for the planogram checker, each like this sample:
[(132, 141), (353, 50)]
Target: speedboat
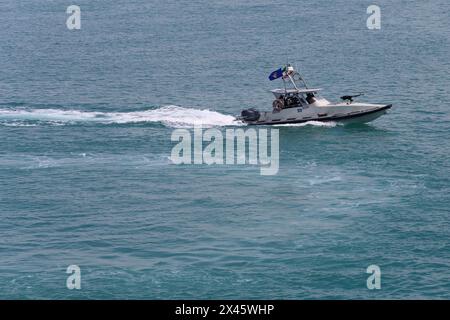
[(297, 103)]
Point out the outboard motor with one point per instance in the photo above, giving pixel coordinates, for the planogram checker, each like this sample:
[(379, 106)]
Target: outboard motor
[(250, 114)]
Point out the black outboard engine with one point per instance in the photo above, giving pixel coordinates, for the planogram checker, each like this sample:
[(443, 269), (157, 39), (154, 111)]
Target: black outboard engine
[(250, 114)]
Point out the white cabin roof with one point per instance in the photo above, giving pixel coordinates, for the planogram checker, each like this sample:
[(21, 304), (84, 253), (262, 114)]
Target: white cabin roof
[(282, 91)]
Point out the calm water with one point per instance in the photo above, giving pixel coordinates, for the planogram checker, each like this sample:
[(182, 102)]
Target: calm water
[(85, 124)]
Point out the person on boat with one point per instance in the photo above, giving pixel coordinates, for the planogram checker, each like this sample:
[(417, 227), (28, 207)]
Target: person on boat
[(310, 98), (278, 104)]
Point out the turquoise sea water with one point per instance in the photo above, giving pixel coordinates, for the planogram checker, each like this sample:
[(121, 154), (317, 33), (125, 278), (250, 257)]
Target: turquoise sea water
[(85, 124)]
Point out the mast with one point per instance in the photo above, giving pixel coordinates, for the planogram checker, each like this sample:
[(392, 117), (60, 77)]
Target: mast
[(303, 80), (291, 73)]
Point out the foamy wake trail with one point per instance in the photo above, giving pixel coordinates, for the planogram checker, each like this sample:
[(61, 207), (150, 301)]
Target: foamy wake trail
[(173, 116)]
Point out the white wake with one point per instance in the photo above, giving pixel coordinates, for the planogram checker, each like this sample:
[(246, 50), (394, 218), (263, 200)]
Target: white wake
[(173, 116)]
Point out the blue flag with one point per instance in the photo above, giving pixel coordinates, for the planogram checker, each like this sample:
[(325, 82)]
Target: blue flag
[(276, 74)]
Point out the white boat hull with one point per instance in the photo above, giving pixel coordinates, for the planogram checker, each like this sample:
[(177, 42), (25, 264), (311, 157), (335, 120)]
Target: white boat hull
[(296, 103), (343, 113)]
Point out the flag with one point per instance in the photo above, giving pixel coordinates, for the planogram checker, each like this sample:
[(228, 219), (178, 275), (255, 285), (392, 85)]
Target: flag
[(276, 74)]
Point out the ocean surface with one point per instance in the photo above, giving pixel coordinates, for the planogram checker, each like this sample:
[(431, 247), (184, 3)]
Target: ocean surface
[(86, 118)]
